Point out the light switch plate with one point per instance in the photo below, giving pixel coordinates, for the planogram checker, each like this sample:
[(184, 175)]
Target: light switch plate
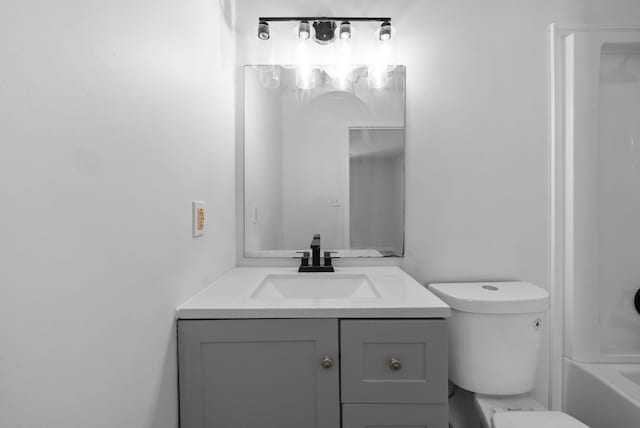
[(199, 218)]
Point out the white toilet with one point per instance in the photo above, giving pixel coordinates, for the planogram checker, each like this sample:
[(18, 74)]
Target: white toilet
[(494, 338)]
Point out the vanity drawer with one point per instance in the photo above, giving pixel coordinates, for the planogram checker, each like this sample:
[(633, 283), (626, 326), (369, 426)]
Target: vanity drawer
[(395, 415), (393, 361)]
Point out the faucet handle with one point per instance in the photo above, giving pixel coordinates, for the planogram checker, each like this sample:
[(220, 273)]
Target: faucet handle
[(327, 257), (304, 259)]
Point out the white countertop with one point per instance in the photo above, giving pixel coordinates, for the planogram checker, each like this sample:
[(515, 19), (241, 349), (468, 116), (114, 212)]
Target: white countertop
[(230, 297)]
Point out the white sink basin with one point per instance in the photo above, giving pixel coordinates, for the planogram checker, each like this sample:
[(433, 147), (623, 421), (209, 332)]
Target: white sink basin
[(315, 286)]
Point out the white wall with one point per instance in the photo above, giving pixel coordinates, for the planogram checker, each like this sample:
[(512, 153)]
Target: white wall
[(114, 115), (316, 141), (263, 160), (315, 158), (477, 141)]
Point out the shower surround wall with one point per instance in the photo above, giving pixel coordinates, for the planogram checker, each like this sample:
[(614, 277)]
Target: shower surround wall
[(597, 82), (618, 184), (114, 116), (596, 92)]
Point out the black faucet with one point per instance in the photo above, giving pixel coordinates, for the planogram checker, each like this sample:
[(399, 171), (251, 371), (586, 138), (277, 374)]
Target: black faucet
[(315, 258), (315, 250)]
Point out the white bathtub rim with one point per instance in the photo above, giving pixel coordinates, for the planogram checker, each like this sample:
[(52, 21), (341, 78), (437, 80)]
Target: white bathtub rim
[(603, 358), (611, 375)]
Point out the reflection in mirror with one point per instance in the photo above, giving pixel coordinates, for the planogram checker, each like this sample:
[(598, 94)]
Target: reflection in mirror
[(376, 189), (327, 160)]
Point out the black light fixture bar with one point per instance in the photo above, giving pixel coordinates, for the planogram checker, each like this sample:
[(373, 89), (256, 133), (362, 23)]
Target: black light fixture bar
[(320, 18)]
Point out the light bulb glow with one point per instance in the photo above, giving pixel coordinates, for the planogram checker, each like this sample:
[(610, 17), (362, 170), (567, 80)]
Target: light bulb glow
[(305, 77), (378, 76), (341, 83), (341, 76), (385, 31), (304, 30), (269, 76), (345, 30)]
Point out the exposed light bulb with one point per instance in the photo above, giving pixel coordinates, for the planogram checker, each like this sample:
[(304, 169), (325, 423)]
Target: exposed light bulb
[(345, 30), (263, 30), (304, 30), (385, 31)]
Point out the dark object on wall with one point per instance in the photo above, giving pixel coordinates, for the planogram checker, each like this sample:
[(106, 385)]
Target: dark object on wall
[(325, 31), (636, 301)]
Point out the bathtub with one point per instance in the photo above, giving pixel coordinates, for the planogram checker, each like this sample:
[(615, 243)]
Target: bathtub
[(603, 395)]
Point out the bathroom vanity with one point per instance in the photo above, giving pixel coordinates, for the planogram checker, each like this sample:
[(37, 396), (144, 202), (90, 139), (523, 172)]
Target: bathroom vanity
[(268, 347), (354, 348)]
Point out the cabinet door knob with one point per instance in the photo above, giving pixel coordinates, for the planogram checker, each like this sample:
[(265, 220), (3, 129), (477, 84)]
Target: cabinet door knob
[(395, 364), (327, 363)]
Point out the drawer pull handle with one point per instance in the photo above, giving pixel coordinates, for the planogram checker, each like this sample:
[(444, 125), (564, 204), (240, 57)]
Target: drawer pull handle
[(327, 363), (395, 364)]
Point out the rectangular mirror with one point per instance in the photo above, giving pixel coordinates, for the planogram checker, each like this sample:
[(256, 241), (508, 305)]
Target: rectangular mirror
[(328, 159)]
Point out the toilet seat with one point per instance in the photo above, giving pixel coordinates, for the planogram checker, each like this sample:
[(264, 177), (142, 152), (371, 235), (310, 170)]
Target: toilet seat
[(535, 420), (520, 411), (487, 405)]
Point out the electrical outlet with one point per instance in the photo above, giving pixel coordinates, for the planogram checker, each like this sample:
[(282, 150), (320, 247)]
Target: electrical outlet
[(199, 222)]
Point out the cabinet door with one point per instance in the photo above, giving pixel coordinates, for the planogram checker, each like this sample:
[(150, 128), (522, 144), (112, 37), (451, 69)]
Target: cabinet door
[(395, 416), (259, 373)]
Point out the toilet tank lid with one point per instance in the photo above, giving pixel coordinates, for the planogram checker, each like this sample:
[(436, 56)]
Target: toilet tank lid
[(493, 297)]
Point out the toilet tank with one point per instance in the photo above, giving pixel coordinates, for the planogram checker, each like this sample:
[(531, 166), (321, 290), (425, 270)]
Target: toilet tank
[(495, 332)]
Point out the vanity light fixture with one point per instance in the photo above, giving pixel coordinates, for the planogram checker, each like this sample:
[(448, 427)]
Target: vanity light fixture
[(263, 30), (304, 30), (326, 28), (345, 30), (385, 31)]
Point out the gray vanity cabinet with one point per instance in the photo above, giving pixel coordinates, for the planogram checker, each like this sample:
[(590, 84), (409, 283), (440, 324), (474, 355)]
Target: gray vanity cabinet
[(297, 373), (393, 361), (395, 416), (259, 373)]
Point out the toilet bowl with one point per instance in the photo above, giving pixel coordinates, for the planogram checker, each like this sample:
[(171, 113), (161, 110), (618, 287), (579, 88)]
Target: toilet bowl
[(520, 411), (535, 420), (495, 332)]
